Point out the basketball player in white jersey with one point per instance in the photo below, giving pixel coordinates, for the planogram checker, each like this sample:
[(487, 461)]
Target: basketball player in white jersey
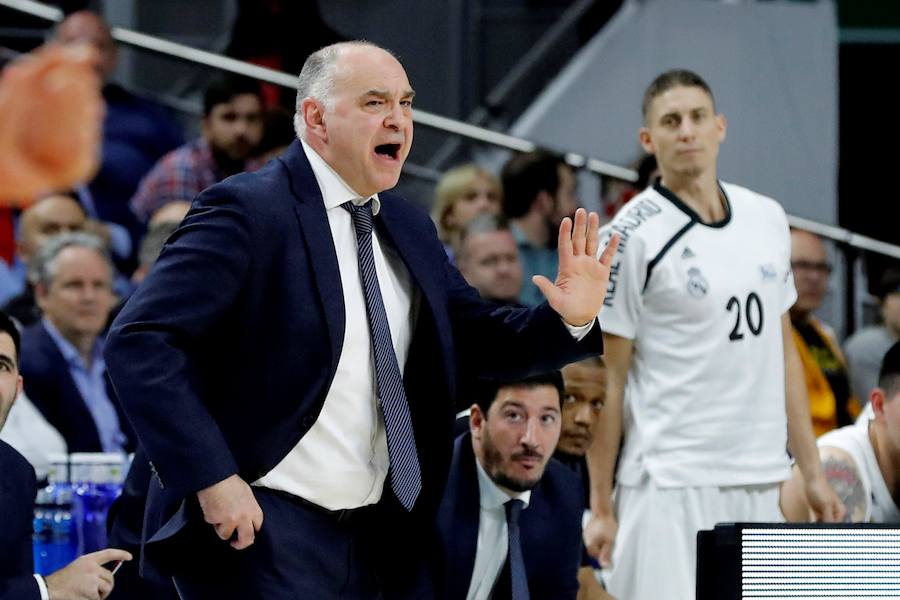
[(862, 461), (704, 382)]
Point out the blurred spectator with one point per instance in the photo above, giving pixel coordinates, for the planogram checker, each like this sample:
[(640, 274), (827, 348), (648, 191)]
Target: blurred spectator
[(59, 213), (62, 355), (502, 477), (279, 34), (462, 194), (232, 129), (54, 214), (278, 133), (865, 348), (489, 260), (136, 131), (538, 192), (152, 244), (831, 403), (173, 212)]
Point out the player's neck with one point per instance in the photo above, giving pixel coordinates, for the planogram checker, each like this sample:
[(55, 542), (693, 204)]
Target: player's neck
[(700, 192), (888, 461)]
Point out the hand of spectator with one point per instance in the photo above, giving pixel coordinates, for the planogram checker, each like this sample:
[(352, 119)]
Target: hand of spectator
[(599, 536), (51, 116), (580, 286), (85, 578), (229, 506), (824, 501)]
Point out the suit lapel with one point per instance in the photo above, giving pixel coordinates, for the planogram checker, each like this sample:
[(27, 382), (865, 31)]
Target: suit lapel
[(399, 232), (310, 209)]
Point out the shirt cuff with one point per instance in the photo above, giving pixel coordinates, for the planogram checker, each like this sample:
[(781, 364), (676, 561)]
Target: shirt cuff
[(579, 332), (42, 586)]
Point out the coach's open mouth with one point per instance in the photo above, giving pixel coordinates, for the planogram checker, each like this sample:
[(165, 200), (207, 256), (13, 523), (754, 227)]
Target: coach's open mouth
[(391, 151)]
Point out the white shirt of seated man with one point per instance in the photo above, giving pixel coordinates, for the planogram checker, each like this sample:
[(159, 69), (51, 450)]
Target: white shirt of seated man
[(32, 436)]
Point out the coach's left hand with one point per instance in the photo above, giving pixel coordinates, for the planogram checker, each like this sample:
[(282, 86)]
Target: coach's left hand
[(580, 286)]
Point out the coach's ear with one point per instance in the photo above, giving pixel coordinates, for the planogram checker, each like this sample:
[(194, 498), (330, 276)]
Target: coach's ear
[(313, 114)]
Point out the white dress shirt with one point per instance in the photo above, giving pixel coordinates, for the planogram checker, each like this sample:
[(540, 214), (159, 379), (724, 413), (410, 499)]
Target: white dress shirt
[(493, 534), (342, 461)]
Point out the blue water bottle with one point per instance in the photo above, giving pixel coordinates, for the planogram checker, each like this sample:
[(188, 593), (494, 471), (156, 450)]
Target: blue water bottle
[(65, 536), (42, 534)]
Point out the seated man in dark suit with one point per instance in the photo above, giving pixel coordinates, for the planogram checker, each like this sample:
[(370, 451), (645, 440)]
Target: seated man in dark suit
[(62, 357), (83, 579), (509, 525)]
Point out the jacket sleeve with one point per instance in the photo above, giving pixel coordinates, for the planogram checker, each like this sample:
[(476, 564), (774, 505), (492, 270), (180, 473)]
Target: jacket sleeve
[(151, 348)]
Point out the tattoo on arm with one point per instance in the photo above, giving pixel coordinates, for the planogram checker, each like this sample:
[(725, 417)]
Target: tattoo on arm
[(847, 484)]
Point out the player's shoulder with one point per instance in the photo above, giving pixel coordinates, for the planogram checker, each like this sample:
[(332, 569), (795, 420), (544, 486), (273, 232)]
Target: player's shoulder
[(841, 444), (648, 221), (743, 198)]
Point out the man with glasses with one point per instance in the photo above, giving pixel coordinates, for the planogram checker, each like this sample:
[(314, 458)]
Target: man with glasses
[(831, 402)]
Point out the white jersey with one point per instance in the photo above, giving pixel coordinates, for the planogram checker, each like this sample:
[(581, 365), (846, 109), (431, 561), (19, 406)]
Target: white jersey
[(854, 440), (704, 399)]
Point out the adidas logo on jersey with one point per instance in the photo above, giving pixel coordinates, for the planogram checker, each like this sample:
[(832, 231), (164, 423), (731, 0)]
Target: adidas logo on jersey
[(687, 253)]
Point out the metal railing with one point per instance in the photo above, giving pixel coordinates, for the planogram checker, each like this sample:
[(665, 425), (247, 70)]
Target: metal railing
[(848, 242)]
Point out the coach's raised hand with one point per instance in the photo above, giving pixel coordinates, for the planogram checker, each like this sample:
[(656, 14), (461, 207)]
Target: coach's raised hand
[(579, 289)]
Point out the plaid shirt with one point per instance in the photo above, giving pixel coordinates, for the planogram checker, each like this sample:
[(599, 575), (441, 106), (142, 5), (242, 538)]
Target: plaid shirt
[(179, 175)]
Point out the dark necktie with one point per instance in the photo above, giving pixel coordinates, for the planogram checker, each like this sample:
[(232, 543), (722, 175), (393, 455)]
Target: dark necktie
[(406, 479), (518, 580)]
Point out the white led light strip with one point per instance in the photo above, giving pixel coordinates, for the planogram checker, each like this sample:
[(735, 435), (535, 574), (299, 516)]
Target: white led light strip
[(820, 563)]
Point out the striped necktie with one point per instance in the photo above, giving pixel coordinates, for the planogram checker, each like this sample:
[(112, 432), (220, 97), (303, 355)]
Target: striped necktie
[(406, 479)]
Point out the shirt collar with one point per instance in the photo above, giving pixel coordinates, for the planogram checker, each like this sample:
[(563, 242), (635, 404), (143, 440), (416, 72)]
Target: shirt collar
[(335, 190), (491, 495), (70, 353)]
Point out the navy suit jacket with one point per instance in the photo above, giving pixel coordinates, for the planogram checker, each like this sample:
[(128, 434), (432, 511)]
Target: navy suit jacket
[(17, 491), (49, 385), (550, 530), (223, 357)]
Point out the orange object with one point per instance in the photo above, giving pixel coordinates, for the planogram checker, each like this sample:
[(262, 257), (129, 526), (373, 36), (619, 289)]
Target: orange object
[(51, 115)]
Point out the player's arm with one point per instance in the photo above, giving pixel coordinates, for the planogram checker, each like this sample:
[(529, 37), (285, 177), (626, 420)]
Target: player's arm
[(600, 532), (843, 477), (801, 441)]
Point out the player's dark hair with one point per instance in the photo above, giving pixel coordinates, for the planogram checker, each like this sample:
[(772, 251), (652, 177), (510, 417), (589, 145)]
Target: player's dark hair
[(889, 376)]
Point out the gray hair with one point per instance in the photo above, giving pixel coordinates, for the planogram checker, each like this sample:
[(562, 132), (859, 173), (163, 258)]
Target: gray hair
[(316, 79), (42, 268)]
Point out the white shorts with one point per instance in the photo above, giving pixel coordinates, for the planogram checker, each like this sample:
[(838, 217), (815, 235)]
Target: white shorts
[(655, 553)]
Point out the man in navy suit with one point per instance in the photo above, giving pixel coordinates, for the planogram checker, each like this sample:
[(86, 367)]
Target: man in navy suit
[(62, 361), (294, 352), (505, 458), (83, 579)]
